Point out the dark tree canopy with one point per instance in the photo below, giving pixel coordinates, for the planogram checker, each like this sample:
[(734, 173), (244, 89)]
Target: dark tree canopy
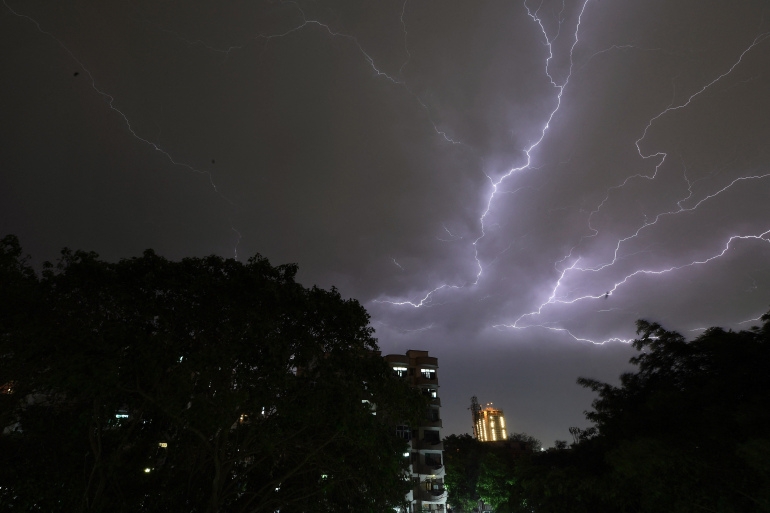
[(478, 470), (200, 385), (462, 460), (687, 432)]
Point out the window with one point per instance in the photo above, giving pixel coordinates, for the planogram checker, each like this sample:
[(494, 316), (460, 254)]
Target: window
[(404, 432), (399, 371), (428, 373)]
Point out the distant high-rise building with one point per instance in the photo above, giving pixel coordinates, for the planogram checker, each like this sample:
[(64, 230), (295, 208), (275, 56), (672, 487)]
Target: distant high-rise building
[(426, 452), (488, 423)]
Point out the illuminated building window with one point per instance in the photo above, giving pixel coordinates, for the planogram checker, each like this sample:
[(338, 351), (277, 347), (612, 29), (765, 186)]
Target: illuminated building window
[(428, 373), (400, 371)]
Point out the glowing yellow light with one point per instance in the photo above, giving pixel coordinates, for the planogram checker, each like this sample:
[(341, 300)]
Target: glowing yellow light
[(147, 470), (163, 444)]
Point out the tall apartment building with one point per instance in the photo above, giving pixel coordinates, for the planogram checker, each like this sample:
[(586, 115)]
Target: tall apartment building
[(426, 448), (488, 423)]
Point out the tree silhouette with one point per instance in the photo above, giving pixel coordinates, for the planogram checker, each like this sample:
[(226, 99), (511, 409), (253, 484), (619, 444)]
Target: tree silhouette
[(200, 385)]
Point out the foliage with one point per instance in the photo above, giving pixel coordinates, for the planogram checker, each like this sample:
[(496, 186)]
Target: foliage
[(462, 461), (495, 479), (689, 428), (261, 390), (478, 470), (686, 432), (532, 443)]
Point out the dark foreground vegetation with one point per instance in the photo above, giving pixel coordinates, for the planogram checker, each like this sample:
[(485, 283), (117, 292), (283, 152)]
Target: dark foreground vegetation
[(204, 385), (689, 431)]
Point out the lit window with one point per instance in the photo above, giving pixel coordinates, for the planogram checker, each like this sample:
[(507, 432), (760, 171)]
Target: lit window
[(428, 373), (163, 444), (400, 371), (147, 470)]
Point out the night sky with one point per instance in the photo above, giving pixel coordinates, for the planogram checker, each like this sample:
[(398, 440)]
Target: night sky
[(508, 185)]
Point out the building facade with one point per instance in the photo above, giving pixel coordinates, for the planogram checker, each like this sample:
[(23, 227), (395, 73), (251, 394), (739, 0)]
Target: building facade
[(488, 423), (426, 447)]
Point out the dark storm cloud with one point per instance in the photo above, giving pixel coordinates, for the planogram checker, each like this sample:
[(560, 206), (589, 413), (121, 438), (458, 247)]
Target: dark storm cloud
[(362, 140)]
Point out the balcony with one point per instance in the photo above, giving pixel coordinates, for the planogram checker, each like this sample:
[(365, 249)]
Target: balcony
[(421, 379), (430, 445), (437, 471), (432, 508), (434, 495)]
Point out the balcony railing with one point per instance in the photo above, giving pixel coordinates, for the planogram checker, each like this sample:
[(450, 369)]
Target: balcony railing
[(430, 445), (430, 470), (436, 495)]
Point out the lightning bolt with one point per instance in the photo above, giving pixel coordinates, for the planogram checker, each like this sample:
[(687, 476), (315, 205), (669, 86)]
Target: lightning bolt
[(762, 237), (110, 101), (496, 183), (237, 242), (569, 265), (684, 205), (304, 23)]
